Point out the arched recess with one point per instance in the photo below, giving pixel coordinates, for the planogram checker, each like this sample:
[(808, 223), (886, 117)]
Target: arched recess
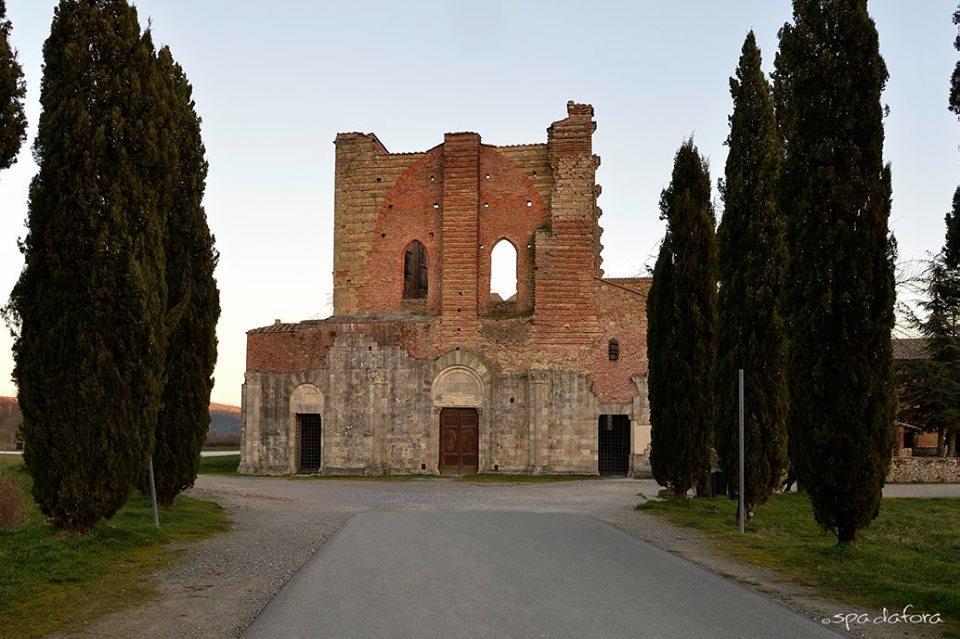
[(460, 380), (457, 386), (415, 273), (305, 399), (504, 277), (511, 208)]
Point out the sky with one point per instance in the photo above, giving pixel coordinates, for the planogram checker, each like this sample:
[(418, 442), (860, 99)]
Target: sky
[(275, 82)]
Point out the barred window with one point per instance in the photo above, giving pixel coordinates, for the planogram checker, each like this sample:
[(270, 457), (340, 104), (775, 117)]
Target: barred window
[(613, 350)]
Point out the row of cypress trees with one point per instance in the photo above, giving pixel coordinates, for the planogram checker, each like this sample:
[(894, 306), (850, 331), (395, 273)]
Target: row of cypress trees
[(801, 294), (13, 121), (114, 313)]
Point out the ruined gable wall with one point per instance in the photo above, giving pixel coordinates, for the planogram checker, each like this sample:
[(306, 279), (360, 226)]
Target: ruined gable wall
[(364, 173)]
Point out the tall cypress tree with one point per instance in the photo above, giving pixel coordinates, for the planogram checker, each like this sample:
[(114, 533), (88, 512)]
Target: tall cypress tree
[(752, 256), (193, 304), (89, 305), (13, 122), (840, 286), (681, 335)]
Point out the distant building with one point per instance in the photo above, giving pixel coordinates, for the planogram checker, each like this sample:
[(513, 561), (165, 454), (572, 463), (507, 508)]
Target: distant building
[(10, 422), (909, 436), (421, 369)]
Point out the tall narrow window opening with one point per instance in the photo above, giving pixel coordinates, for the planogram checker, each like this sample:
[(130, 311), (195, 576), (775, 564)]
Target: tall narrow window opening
[(503, 272), (613, 350), (415, 272)]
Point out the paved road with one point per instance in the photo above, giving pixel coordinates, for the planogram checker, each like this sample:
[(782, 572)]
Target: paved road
[(510, 574)]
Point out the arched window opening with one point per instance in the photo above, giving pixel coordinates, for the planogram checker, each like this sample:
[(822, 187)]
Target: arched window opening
[(613, 350), (415, 272), (503, 272)]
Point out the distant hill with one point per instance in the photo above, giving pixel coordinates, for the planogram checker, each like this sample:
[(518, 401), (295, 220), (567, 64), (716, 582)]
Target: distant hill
[(224, 419), (224, 423)]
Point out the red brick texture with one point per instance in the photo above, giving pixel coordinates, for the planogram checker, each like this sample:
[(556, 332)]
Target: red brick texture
[(459, 199)]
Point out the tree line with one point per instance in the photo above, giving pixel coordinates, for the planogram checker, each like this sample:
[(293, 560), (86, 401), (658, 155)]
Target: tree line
[(796, 285), (114, 313)]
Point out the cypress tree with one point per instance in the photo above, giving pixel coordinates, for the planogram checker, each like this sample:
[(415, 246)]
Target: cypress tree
[(840, 286), (193, 304), (88, 308), (681, 335), (13, 122), (752, 255)]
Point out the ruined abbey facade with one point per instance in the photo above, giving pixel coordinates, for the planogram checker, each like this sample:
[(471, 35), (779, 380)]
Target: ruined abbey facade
[(421, 369)]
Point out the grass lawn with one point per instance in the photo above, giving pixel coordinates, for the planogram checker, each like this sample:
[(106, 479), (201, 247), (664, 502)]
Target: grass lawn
[(909, 555), (52, 580), (10, 460), (225, 465)]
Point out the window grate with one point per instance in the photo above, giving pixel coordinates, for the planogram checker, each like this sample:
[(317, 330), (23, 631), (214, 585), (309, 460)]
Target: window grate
[(613, 455), (309, 426)]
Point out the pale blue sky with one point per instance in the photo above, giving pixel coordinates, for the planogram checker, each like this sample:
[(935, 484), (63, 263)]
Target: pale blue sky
[(276, 81)]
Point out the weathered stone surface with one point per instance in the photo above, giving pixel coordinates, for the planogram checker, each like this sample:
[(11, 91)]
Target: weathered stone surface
[(536, 367), (924, 470)]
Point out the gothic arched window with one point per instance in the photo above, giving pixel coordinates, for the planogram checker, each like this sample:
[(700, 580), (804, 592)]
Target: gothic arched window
[(415, 272)]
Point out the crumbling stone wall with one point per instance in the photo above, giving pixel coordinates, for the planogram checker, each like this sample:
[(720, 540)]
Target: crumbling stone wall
[(545, 354), (380, 414), (924, 470)]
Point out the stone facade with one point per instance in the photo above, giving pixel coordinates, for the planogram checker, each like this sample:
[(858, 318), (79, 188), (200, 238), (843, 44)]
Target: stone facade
[(540, 369)]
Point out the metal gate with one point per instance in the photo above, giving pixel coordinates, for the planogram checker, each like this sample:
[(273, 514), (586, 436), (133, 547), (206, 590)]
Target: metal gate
[(613, 440), (309, 427)]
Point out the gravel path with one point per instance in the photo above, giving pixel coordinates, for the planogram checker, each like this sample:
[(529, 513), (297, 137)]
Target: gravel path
[(224, 582)]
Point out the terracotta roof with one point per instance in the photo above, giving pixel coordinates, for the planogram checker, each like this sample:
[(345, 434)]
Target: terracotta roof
[(910, 348), (285, 327)]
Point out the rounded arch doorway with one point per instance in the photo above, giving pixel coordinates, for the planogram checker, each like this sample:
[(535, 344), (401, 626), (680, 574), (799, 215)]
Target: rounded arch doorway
[(458, 394)]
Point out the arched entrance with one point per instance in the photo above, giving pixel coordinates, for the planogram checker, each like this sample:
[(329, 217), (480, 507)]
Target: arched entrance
[(306, 435), (457, 396)]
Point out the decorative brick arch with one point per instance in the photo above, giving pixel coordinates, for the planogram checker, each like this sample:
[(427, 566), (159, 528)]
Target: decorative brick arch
[(408, 213)]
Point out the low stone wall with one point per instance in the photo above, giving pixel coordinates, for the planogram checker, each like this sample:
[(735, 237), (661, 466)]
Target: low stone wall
[(924, 470)]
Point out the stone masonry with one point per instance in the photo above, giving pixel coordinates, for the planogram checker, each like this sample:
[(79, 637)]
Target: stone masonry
[(539, 369)]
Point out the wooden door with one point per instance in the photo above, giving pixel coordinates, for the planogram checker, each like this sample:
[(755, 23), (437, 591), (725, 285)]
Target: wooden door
[(459, 441)]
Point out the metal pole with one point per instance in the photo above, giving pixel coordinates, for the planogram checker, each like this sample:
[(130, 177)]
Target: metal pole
[(741, 490), (153, 496)]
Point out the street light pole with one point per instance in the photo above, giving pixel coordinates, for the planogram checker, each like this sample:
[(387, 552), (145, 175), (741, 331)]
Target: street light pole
[(153, 496), (741, 485)]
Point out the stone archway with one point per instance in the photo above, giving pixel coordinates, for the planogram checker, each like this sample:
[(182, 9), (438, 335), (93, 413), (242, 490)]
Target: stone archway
[(306, 411), (457, 387), (459, 394)]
